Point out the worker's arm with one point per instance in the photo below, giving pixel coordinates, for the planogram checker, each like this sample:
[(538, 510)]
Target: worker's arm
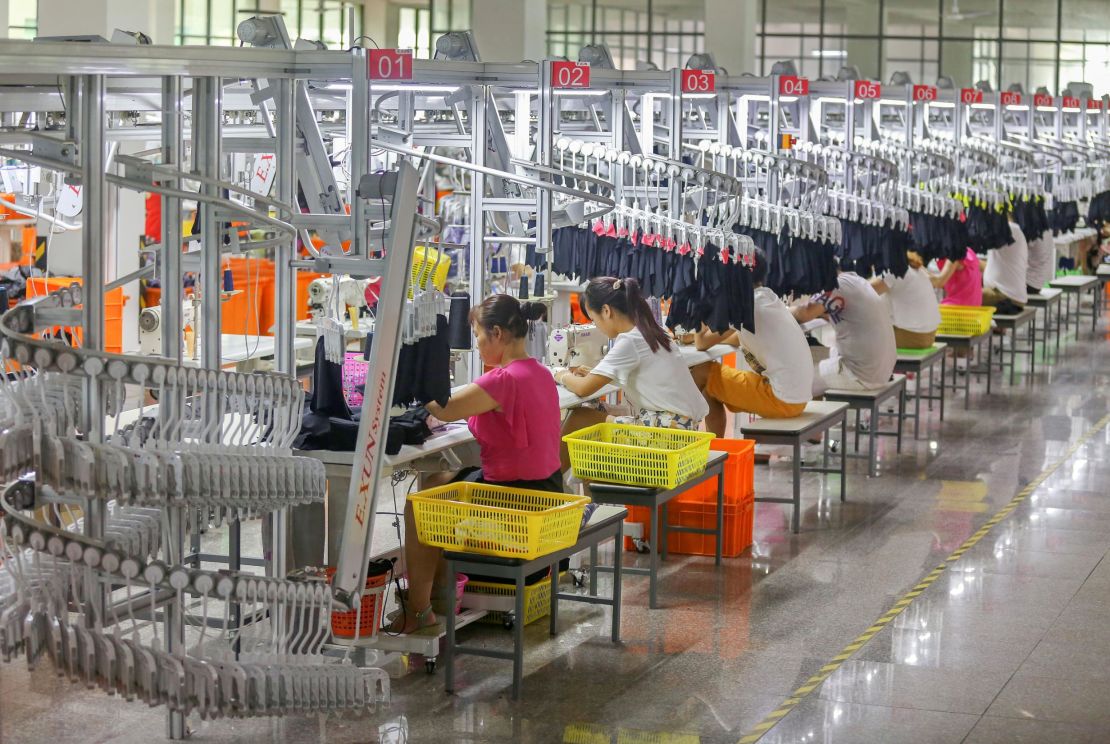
[(807, 312), (879, 285), (581, 383), (706, 339), (950, 268), (470, 401)]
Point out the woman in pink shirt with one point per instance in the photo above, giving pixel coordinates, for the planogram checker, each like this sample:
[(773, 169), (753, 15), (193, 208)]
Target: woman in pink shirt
[(962, 281), (513, 412)]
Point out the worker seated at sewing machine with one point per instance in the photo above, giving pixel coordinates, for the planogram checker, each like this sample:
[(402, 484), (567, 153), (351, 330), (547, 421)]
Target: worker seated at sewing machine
[(513, 412), (780, 381), (643, 361)]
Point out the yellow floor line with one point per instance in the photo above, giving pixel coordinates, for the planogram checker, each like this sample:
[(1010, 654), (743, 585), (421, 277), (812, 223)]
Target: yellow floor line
[(811, 684)]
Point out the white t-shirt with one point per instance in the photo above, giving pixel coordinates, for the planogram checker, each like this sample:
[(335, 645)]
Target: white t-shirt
[(653, 381), (864, 335), (913, 301), (1042, 255), (780, 346), (1008, 266)]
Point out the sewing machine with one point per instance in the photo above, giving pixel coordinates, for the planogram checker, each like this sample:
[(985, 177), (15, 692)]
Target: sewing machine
[(150, 326), (576, 346)]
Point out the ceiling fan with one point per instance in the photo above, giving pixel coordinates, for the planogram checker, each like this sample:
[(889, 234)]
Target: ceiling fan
[(956, 15)]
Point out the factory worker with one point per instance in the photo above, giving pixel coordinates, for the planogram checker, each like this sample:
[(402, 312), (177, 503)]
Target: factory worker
[(780, 381), (513, 412), (644, 362), (914, 309), (865, 351)]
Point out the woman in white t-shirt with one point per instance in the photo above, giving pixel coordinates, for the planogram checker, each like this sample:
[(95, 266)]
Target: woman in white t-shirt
[(914, 308), (643, 361), (1006, 273), (780, 381)]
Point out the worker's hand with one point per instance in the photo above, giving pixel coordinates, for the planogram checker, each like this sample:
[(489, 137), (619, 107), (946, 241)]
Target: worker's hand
[(580, 371), (558, 373)]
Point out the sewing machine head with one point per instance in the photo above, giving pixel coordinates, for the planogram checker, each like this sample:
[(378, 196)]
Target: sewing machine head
[(319, 295), (576, 346)]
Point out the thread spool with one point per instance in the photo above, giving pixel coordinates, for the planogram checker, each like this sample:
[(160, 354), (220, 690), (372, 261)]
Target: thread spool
[(458, 322), (229, 280), (523, 287), (537, 286)]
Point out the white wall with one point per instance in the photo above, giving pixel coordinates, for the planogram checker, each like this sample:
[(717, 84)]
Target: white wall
[(730, 33), (510, 30), (83, 17)]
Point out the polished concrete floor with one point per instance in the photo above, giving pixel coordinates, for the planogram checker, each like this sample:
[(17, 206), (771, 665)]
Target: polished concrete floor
[(1009, 644)]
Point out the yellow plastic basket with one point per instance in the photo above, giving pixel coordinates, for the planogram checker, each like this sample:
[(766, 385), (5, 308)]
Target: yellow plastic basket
[(429, 268), (964, 320), (638, 455), (497, 521), (537, 599)]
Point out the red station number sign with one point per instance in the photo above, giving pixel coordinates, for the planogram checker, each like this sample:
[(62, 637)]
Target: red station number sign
[(971, 95), (570, 74), (792, 85), (925, 93), (390, 64), (867, 89), (699, 81)]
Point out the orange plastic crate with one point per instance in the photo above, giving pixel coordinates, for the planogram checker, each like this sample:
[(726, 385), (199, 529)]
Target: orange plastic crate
[(739, 488), (113, 309), (739, 473), (739, 519)]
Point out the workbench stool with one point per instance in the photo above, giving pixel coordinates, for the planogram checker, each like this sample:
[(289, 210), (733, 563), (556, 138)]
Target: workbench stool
[(818, 418), (916, 362), (974, 346), (606, 523), (655, 499), (872, 400), (1048, 299), (1014, 323), (1078, 286)]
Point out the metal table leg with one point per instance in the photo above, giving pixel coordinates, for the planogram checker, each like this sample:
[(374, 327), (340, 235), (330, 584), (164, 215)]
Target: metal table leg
[(449, 641), (653, 557), (843, 461), (795, 519), (720, 515), (872, 435), (618, 550), (518, 637)]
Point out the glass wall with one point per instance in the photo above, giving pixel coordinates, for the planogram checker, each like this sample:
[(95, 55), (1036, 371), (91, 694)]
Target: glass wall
[(1032, 42), (22, 19), (637, 33), (213, 22)]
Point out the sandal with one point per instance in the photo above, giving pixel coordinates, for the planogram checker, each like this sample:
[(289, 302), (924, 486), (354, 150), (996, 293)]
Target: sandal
[(403, 625)]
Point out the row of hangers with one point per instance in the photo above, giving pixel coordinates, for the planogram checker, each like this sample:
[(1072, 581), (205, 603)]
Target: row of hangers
[(675, 234)]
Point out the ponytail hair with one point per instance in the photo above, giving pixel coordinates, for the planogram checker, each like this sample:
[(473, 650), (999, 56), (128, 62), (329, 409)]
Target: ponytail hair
[(624, 296), (507, 313)]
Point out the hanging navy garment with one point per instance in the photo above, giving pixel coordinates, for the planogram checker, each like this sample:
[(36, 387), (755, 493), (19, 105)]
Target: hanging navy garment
[(327, 422)]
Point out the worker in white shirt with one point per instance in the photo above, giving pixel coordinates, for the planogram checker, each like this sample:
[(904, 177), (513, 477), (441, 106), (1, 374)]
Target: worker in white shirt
[(780, 381), (914, 309), (1005, 275), (1042, 262), (865, 351)]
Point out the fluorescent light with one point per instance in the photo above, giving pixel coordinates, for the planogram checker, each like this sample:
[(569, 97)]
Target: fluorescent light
[(583, 92), (834, 53), (414, 88), (699, 95)]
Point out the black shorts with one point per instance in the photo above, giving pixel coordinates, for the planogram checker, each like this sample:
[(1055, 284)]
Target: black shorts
[(553, 482)]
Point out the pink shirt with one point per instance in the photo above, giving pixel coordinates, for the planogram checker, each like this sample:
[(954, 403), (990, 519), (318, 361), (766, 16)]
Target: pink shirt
[(965, 287), (520, 441)]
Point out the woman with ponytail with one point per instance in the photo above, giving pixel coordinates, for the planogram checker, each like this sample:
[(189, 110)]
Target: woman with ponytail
[(643, 361), (513, 411)]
